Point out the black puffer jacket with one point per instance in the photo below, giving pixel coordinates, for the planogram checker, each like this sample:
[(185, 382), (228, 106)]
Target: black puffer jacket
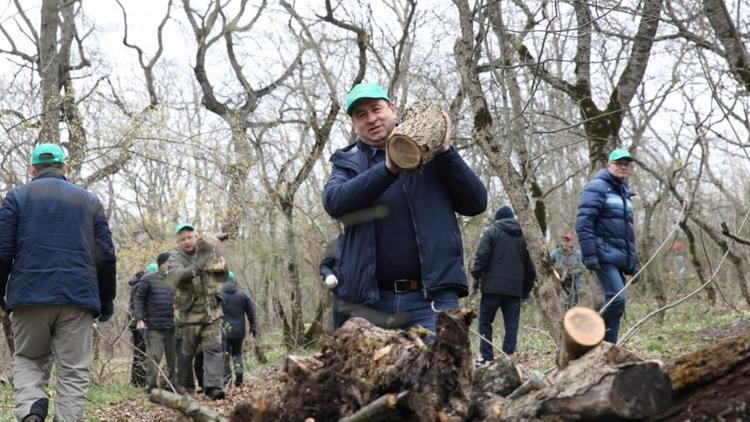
[(502, 263), (154, 302), (236, 304), (133, 283)]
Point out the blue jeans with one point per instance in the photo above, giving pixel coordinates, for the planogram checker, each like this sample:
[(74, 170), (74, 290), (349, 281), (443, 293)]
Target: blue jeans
[(612, 280), (511, 308), (401, 310)]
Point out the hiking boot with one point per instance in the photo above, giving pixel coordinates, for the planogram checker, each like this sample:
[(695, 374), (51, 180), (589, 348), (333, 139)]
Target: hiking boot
[(215, 394), (32, 418), (238, 380), (480, 361)]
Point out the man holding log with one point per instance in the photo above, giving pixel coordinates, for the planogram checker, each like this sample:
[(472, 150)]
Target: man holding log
[(605, 233), (402, 255)]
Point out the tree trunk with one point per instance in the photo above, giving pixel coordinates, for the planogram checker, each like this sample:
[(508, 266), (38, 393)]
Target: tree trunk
[(49, 71), (419, 136), (583, 330)]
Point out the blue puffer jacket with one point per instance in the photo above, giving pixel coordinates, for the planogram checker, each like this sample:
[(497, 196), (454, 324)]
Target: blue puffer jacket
[(445, 186), (605, 224), (56, 245), (154, 302)]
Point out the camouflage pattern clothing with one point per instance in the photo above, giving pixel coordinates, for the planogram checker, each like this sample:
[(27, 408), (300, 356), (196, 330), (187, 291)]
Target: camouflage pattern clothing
[(198, 313)]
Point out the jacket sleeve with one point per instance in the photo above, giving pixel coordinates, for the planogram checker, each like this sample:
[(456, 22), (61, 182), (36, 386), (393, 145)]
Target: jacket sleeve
[(179, 276), (104, 257), (8, 224), (329, 260), (344, 194), (467, 193), (529, 274), (141, 291), (250, 312), (483, 254), (590, 205)]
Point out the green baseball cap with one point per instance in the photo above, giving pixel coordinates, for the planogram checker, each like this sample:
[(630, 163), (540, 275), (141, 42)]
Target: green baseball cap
[(57, 156), (364, 91), (231, 275), (152, 267), (184, 226), (620, 154)]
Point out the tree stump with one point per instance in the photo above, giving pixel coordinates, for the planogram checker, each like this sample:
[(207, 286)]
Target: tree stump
[(583, 329), (419, 136), (607, 383)]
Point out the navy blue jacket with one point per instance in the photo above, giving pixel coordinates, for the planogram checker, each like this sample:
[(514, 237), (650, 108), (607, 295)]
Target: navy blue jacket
[(605, 224), (56, 246), (154, 302), (236, 305), (445, 186), (502, 262)]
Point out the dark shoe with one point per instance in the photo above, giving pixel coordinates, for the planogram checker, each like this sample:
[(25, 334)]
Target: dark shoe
[(215, 394), (238, 380), (32, 418)]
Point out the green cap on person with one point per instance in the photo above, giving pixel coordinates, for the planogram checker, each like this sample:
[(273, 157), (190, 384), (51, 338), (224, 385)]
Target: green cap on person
[(231, 276), (364, 91), (152, 267), (47, 154), (184, 226), (620, 154)]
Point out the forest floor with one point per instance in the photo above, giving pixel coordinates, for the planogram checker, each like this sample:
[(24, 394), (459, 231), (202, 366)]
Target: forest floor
[(685, 329)]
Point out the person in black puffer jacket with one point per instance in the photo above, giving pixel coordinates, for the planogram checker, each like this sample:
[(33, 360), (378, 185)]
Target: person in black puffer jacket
[(236, 305), (504, 272), (138, 367), (154, 313)]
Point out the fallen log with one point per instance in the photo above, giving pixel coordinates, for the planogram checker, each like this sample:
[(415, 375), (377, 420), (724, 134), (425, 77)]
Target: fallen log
[(186, 405), (419, 136), (711, 384), (604, 384), (364, 363)]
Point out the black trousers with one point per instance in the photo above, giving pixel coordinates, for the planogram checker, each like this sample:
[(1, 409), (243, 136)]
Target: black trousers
[(138, 368)]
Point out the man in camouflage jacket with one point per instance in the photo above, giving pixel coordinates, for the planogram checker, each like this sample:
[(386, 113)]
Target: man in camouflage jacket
[(196, 271)]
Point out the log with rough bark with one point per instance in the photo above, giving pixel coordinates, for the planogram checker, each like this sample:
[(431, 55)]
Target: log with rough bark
[(364, 362), (607, 383), (419, 136), (583, 329), (186, 405), (712, 384)]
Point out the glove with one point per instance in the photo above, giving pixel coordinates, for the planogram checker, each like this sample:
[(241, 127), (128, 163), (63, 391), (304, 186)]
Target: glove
[(591, 263), (331, 282), (107, 310), (475, 286), (254, 332)]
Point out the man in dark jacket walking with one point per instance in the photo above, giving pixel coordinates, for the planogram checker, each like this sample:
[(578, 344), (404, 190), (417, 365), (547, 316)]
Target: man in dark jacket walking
[(154, 313), (504, 272), (57, 261), (138, 367), (406, 261), (237, 306), (605, 233)]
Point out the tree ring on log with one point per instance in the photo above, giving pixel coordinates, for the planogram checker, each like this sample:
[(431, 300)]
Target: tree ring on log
[(584, 329)]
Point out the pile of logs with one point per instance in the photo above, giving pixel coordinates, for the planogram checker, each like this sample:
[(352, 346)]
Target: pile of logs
[(367, 373)]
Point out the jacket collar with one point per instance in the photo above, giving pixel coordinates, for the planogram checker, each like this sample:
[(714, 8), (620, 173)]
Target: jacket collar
[(50, 172)]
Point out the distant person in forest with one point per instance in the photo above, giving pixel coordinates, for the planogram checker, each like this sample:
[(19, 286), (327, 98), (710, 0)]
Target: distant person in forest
[(58, 263), (406, 265), (605, 233), (237, 306), (567, 261), (154, 313), (504, 273), (138, 365), (198, 308)]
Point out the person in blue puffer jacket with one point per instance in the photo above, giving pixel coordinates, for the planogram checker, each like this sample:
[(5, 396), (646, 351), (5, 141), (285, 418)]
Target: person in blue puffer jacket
[(605, 232), (401, 256)]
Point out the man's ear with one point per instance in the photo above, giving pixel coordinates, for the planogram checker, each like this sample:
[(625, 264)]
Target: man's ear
[(32, 170)]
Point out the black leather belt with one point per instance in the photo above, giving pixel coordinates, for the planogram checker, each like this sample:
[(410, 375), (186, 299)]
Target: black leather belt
[(407, 286)]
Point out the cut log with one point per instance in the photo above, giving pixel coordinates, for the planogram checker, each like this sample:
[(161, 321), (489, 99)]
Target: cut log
[(583, 330), (606, 383), (712, 384), (186, 405), (419, 136)]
